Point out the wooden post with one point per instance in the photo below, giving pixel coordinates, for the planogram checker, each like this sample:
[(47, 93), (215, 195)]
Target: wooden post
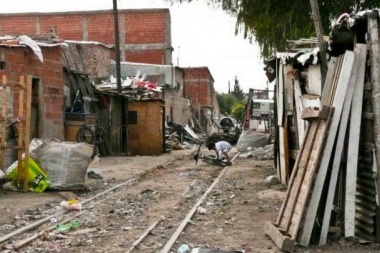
[(321, 42), (28, 108), (20, 129), (3, 123), (373, 41)]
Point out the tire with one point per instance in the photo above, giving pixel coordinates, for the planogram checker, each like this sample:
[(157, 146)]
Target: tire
[(100, 135), (85, 134)]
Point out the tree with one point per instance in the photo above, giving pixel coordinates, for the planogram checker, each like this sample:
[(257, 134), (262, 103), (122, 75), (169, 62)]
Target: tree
[(226, 101), (272, 22), (238, 91), (238, 110)]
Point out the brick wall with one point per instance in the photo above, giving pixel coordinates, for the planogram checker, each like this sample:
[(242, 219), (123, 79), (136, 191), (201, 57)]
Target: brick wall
[(199, 86), (22, 61), (145, 35), (96, 60)]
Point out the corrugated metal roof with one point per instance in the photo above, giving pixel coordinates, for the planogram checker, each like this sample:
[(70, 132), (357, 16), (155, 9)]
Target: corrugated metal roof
[(365, 198)]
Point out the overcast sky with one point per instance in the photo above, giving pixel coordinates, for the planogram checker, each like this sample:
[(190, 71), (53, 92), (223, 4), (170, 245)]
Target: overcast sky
[(202, 35)]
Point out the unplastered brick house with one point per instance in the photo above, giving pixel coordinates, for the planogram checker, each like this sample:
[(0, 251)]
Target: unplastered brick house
[(145, 34), (199, 89), (47, 88), (20, 67)]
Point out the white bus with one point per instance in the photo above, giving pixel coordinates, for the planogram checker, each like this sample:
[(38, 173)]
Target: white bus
[(262, 107)]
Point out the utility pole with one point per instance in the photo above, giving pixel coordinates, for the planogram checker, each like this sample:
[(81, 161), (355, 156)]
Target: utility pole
[(117, 46), (321, 42), (122, 101)]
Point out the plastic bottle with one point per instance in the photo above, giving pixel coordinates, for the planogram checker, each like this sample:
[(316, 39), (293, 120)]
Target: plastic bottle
[(183, 249)]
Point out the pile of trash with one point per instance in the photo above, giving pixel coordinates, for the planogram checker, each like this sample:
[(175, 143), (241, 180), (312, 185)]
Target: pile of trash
[(137, 88), (52, 164), (260, 154)]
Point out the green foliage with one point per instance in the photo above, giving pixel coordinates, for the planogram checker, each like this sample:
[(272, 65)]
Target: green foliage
[(238, 110), (238, 91), (226, 101), (272, 22)]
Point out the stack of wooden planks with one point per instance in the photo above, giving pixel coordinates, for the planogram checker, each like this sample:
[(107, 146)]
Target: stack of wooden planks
[(318, 168)]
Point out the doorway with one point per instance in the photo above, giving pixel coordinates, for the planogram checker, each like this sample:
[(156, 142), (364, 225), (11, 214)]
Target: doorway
[(35, 109)]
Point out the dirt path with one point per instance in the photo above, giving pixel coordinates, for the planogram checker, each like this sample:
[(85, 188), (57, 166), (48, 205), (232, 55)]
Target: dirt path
[(236, 211)]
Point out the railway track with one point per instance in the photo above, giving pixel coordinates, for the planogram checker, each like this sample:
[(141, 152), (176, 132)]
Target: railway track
[(145, 214)]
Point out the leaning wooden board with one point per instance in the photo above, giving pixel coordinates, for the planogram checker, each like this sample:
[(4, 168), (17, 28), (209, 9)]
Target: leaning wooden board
[(340, 92), (339, 146), (296, 200)]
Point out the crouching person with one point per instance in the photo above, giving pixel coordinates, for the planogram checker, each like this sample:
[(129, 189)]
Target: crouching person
[(221, 148)]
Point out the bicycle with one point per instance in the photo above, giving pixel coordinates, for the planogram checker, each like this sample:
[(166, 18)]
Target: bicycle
[(87, 135)]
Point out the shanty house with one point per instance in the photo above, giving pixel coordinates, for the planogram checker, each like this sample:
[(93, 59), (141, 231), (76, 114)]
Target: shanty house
[(327, 133), (146, 127)]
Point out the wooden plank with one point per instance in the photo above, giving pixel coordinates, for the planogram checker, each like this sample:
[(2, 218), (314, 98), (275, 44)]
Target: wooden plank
[(309, 175), (26, 124), (339, 149), (338, 105), (191, 132), (326, 100), (282, 154), (314, 84), (333, 75), (3, 123), (292, 178), (280, 96), (288, 89), (282, 241), (374, 48), (313, 113), (310, 113), (298, 106), (20, 130), (353, 146), (298, 171)]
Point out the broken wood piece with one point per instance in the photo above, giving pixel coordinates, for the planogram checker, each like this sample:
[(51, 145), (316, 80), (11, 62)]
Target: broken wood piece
[(279, 237), (315, 112)]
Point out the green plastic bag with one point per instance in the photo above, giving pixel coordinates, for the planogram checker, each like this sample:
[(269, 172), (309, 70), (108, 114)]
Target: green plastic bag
[(37, 179), (65, 228)]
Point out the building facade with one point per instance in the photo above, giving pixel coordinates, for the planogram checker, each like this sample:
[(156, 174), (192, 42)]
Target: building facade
[(145, 34), (199, 89)]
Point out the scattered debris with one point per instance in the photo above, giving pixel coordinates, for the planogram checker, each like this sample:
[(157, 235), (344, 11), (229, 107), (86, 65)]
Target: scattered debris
[(92, 174), (272, 180)]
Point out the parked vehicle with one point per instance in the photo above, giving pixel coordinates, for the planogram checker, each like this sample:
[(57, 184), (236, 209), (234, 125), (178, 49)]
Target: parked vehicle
[(262, 108)]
